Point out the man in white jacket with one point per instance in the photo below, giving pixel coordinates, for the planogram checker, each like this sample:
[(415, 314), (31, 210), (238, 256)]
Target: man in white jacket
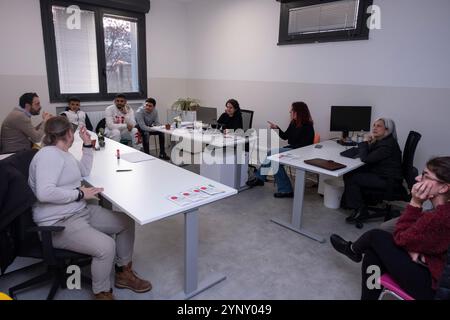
[(75, 115), (120, 121)]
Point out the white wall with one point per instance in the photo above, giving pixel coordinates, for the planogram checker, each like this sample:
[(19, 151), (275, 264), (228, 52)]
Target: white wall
[(167, 42), (237, 40), (403, 71)]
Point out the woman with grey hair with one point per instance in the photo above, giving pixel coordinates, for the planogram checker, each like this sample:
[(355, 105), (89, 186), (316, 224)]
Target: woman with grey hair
[(389, 125), (383, 160)]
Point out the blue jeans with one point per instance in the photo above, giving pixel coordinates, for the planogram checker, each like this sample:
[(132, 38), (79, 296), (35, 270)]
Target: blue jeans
[(281, 178)]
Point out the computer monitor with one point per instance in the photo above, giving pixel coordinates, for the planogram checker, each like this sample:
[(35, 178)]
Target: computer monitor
[(207, 115), (350, 118)]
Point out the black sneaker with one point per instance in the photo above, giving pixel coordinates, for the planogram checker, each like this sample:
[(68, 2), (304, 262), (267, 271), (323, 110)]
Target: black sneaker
[(344, 247), (283, 195), (164, 156), (254, 182), (352, 217)]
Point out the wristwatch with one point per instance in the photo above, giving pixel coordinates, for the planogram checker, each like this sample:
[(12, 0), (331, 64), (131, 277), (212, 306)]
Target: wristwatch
[(87, 145)]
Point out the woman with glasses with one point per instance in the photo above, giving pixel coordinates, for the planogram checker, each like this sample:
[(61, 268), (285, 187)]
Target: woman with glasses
[(383, 161), (300, 133), (415, 254)]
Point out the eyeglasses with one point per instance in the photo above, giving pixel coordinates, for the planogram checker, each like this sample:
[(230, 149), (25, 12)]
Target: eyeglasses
[(426, 176)]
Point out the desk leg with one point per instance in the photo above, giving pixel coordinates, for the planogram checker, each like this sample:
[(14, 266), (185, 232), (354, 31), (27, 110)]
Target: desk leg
[(238, 172), (297, 209), (191, 285), (237, 184)]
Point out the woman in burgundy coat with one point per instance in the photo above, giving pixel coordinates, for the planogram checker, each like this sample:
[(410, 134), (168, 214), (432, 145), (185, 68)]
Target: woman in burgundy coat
[(415, 254)]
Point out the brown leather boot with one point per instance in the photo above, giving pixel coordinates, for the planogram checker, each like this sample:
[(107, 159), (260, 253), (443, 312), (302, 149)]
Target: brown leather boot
[(104, 295), (129, 280)]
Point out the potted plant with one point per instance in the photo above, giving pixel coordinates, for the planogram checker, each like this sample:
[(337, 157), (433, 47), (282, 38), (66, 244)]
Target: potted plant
[(186, 108)]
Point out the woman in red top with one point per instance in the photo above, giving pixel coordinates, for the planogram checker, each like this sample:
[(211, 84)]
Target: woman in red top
[(415, 254)]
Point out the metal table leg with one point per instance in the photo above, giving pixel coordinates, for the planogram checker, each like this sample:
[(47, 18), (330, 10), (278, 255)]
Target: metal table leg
[(191, 285), (297, 209)]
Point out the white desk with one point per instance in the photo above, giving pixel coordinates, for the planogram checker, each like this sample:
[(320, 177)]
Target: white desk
[(142, 194), (331, 151), (229, 170)]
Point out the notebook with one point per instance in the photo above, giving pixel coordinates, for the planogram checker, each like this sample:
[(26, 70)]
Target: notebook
[(325, 164)]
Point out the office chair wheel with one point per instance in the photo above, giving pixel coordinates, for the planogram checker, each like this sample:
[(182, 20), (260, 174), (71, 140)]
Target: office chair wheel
[(359, 225)]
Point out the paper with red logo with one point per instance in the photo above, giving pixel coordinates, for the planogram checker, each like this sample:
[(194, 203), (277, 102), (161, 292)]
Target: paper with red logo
[(195, 194), (179, 200), (210, 189)]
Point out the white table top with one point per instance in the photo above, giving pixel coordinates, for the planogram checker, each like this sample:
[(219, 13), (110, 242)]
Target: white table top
[(214, 138), (330, 151), (142, 193)]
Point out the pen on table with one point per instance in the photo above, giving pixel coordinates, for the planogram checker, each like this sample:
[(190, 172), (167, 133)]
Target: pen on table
[(123, 170)]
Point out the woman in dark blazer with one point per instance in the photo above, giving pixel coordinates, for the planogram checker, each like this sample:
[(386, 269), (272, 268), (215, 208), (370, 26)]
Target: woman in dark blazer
[(383, 160), (231, 119)]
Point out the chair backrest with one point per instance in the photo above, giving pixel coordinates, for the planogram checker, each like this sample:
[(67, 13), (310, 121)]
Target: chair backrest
[(409, 172), (28, 243), (247, 119), (391, 286), (101, 124), (316, 138)]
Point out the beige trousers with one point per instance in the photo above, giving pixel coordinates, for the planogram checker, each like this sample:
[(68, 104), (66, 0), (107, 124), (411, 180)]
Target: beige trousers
[(89, 232)]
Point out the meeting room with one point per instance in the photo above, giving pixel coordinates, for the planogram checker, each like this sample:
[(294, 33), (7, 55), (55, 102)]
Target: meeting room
[(254, 150)]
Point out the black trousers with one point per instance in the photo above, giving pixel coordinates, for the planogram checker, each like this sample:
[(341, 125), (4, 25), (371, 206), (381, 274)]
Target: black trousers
[(355, 182), (146, 137), (380, 250)]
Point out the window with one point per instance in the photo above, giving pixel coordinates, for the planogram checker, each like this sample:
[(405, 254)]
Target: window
[(309, 21), (92, 51)]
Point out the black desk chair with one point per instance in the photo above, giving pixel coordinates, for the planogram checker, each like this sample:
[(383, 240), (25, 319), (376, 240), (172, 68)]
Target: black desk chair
[(247, 123), (443, 290), (56, 260), (100, 125), (26, 236), (395, 191), (247, 119)]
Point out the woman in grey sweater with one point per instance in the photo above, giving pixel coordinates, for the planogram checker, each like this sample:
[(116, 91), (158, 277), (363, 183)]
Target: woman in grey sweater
[(55, 178)]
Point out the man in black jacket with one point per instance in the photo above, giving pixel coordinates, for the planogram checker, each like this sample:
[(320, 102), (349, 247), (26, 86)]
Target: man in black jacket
[(383, 160)]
